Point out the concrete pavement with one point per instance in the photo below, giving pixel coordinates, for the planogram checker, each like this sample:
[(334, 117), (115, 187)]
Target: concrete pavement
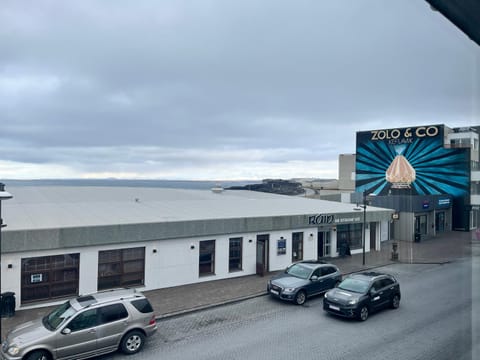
[(178, 300)]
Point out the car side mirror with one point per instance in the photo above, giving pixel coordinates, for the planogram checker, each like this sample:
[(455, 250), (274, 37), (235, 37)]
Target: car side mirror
[(66, 331), (314, 278)]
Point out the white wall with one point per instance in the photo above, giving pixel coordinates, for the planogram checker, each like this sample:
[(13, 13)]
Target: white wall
[(280, 262), (167, 262)]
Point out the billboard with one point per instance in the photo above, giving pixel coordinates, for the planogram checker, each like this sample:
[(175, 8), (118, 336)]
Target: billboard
[(411, 161)]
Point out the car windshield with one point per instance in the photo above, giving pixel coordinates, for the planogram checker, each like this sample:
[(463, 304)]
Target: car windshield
[(354, 285), (299, 270), (54, 319)]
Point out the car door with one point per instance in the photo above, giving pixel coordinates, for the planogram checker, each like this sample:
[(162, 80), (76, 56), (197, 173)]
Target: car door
[(78, 338), (376, 295), (112, 323), (316, 283), (386, 291), (328, 279)]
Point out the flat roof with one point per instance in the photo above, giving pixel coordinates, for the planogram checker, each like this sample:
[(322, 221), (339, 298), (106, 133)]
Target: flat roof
[(53, 207)]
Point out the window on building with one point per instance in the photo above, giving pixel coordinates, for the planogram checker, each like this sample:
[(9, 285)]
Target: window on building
[(49, 277), (121, 268), (297, 246), (421, 224), (350, 234), (235, 254), (206, 263), (473, 219), (461, 143)]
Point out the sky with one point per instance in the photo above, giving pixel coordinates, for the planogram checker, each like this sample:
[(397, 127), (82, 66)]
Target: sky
[(220, 89)]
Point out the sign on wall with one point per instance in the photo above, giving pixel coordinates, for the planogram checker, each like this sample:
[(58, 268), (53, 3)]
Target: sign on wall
[(281, 246), (410, 161)]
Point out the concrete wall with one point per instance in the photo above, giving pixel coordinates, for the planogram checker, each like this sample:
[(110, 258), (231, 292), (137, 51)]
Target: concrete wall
[(44, 239)]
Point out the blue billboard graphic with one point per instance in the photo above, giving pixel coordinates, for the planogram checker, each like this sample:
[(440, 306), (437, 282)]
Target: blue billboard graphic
[(410, 160)]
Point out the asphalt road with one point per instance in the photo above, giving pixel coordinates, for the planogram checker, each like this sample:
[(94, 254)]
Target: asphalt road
[(434, 321)]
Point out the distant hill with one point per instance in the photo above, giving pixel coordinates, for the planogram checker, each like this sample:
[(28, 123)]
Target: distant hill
[(274, 186)]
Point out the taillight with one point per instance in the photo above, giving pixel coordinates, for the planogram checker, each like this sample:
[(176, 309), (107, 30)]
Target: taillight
[(152, 321)]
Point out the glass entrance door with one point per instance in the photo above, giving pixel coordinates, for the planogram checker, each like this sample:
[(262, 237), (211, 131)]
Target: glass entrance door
[(262, 254), (440, 221), (323, 244)]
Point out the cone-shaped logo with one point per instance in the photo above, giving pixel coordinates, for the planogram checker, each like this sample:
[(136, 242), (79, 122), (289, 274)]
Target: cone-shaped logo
[(400, 173)]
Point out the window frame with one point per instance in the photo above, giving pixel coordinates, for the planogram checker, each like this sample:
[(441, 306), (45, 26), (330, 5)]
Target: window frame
[(206, 266), (297, 246), (113, 269), (56, 276), (235, 262)]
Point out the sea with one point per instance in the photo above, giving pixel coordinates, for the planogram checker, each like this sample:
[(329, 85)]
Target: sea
[(171, 184)]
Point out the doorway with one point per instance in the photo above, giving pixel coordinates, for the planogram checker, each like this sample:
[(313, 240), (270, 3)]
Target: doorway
[(421, 224), (323, 244), (373, 236), (440, 221), (262, 254)]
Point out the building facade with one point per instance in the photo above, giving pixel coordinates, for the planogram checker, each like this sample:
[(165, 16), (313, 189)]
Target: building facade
[(65, 241), (426, 173)]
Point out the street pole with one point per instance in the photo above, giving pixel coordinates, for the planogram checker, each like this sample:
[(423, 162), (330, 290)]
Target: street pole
[(364, 225), (4, 195)]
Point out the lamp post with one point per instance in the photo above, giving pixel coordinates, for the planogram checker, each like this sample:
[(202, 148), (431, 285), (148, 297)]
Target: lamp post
[(358, 207), (364, 225), (4, 195)]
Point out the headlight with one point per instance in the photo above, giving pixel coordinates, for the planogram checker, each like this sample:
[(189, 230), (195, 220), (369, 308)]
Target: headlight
[(352, 302), (289, 290), (13, 350)]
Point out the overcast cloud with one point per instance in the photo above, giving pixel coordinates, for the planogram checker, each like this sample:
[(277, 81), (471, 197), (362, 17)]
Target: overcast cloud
[(220, 89)]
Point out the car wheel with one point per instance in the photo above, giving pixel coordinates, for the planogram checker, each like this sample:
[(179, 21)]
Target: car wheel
[(132, 342), (38, 355), (395, 302), (300, 298), (363, 314)]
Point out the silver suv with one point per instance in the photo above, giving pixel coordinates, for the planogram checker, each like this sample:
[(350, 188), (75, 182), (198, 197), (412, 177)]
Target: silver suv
[(83, 327)]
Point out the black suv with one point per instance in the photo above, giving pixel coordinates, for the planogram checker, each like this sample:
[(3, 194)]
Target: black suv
[(304, 279), (360, 294)]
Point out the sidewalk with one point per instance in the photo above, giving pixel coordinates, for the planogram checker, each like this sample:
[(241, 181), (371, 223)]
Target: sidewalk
[(182, 299)]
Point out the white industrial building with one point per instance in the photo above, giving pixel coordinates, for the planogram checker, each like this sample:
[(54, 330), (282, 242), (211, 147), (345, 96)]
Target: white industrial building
[(61, 241)]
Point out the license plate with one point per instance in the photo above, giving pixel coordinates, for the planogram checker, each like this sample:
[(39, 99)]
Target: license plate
[(274, 292), (336, 308)]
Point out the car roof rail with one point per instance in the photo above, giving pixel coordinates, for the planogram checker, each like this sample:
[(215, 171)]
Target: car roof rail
[(313, 261), (372, 273), (106, 296)]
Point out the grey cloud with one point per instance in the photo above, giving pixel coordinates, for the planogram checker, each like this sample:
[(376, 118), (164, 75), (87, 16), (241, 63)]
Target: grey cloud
[(210, 78)]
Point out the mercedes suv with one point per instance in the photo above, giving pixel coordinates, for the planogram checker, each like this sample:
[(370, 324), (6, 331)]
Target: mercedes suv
[(84, 327), (360, 294)]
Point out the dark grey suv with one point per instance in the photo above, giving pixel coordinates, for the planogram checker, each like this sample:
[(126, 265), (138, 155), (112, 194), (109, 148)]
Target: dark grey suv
[(360, 294), (302, 280), (84, 327)]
